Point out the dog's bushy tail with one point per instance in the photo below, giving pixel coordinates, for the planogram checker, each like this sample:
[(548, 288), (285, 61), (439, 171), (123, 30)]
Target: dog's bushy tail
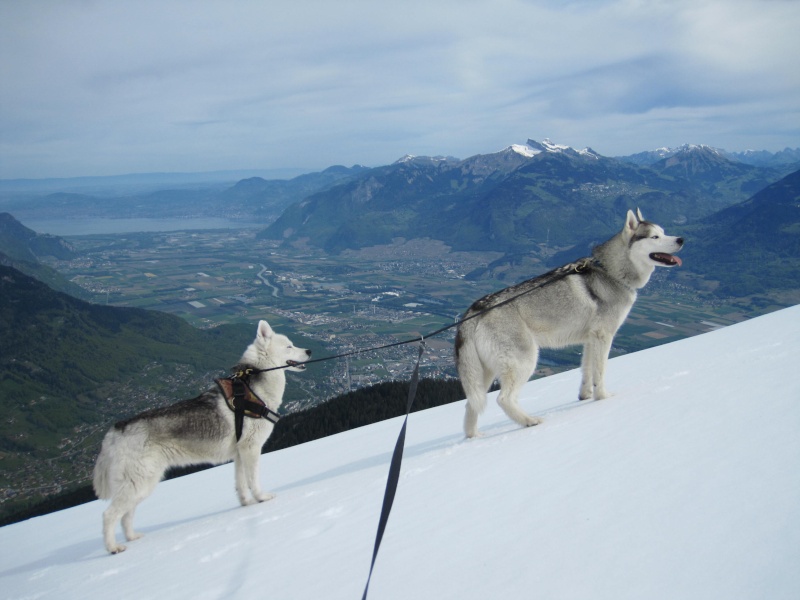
[(102, 468)]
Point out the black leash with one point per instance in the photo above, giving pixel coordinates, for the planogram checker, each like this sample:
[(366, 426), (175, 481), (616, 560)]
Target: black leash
[(394, 469)]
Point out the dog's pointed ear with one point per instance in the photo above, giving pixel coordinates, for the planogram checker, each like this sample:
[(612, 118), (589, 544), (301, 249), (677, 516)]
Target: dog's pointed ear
[(639, 214), (264, 330), (631, 222)]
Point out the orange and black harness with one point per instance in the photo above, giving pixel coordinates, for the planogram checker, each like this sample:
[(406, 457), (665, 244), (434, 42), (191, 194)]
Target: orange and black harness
[(242, 400)]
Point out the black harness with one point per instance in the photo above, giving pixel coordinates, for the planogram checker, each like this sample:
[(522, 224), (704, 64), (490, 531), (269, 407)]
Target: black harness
[(243, 401)]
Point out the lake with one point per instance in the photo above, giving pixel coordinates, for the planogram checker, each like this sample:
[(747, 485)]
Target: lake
[(67, 227)]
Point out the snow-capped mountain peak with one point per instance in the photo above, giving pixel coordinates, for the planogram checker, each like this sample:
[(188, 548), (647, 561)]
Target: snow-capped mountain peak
[(411, 158), (524, 150), (548, 146), (651, 157), (701, 147), (531, 148)]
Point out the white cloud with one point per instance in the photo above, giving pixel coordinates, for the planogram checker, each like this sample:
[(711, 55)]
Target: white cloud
[(95, 88)]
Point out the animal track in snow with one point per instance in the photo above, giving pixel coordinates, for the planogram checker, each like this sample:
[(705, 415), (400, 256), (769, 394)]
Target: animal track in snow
[(219, 553), (333, 512)]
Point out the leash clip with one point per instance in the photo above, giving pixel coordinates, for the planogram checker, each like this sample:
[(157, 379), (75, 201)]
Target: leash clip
[(582, 265), (243, 373)]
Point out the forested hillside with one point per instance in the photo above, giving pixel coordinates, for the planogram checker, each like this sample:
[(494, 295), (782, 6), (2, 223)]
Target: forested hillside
[(358, 408)]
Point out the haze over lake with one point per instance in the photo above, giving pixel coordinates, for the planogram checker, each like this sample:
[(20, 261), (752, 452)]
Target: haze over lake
[(66, 227)]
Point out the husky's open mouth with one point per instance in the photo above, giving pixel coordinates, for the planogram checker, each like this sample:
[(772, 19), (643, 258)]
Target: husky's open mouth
[(666, 259), (295, 364)]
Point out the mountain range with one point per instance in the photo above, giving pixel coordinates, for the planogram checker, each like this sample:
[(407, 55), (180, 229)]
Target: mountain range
[(262, 200), (758, 158), (536, 198), (253, 199), (539, 203)]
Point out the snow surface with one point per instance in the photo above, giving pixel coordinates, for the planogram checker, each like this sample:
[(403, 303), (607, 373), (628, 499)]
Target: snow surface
[(683, 485), (529, 151), (524, 150)]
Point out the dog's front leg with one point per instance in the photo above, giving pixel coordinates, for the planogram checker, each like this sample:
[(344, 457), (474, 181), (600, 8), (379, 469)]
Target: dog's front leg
[(593, 367), (241, 481), (587, 373), (247, 477), (600, 362)]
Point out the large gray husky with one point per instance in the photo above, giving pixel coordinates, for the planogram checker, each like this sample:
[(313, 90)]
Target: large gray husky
[(207, 429), (581, 303)]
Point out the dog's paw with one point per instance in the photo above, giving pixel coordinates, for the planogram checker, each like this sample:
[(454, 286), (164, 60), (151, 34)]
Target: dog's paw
[(117, 549), (531, 421), (134, 535), (264, 496)]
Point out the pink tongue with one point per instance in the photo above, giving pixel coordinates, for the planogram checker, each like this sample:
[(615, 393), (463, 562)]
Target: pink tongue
[(677, 260)]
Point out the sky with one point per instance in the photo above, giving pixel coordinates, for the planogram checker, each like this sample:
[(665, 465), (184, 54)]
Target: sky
[(684, 484), (94, 87)]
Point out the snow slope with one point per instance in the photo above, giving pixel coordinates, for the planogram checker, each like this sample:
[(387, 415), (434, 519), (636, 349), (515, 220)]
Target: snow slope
[(685, 484)]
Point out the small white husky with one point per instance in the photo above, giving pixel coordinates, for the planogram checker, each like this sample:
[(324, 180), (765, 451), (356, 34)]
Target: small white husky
[(136, 452), (585, 302)]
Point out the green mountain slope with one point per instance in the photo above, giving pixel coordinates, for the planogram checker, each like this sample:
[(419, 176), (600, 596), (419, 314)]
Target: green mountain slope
[(68, 368), (21, 247), (754, 246), (20, 242)]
